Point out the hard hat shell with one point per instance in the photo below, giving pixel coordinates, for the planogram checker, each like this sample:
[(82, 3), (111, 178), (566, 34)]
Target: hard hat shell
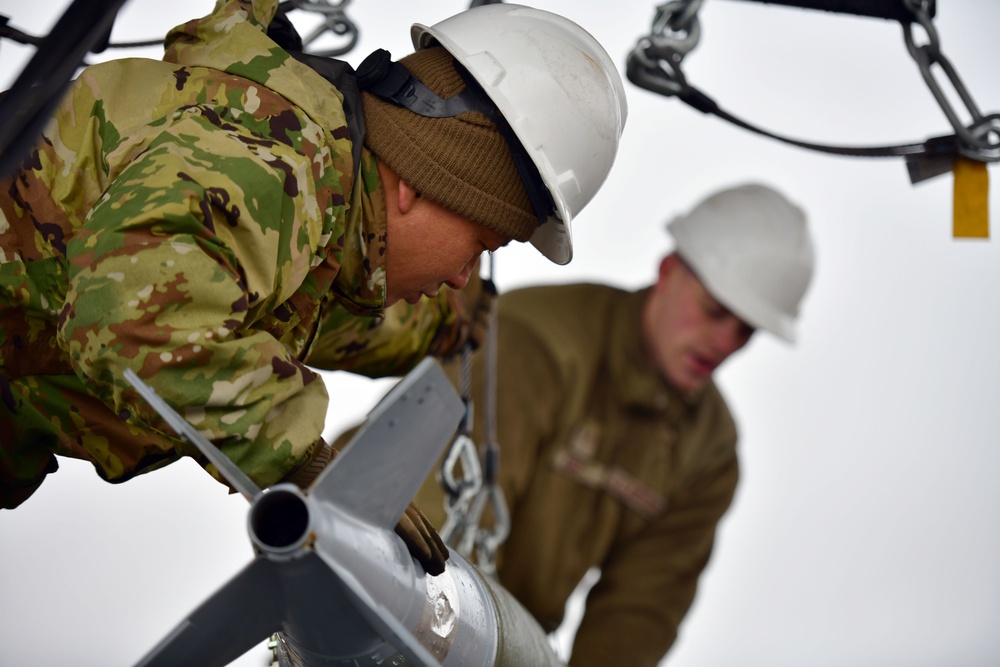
[(751, 249), (557, 88)]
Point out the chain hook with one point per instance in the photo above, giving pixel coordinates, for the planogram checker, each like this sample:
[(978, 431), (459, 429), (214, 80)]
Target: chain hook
[(979, 140), (676, 26), (467, 499), (655, 62), (488, 540), (335, 20), (459, 493)]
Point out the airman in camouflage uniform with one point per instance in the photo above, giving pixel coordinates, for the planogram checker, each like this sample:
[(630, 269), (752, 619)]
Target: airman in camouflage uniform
[(202, 221)]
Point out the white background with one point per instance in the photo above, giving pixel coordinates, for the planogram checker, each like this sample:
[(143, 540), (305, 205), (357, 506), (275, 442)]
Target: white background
[(866, 529)]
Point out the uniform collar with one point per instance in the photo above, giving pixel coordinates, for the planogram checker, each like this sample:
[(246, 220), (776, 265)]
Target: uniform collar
[(360, 283)]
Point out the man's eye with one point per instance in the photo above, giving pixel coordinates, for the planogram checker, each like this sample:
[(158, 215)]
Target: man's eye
[(715, 311)]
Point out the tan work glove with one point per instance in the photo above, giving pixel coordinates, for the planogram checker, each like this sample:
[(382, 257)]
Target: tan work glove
[(417, 532), (319, 458), (422, 540)]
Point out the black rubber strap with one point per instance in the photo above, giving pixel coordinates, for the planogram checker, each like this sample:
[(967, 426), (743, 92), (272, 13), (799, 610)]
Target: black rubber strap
[(924, 160), (881, 9)]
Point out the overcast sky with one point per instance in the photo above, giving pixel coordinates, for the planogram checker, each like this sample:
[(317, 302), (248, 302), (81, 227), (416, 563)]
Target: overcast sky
[(866, 529)]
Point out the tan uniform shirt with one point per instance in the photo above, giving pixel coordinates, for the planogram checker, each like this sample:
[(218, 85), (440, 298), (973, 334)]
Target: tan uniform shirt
[(602, 464)]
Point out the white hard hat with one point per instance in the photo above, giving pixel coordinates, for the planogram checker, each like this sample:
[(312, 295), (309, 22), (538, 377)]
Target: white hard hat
[(751, 249), (557, 88)]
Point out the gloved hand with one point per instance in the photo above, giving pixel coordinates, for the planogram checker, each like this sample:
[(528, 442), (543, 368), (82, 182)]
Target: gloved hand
[(419, 535), (319, 458), (422, 540)]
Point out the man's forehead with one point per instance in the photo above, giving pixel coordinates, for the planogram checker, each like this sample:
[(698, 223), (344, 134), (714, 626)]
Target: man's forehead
[(706, 294)]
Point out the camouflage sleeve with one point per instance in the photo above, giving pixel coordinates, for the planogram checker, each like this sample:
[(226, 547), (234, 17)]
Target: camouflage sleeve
[(393, 343), (170, 275)]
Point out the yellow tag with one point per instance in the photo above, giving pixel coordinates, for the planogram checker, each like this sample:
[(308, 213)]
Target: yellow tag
[(971, 217)]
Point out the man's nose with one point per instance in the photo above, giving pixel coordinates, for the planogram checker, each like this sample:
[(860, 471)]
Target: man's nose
[(462, 279), (731, 334)]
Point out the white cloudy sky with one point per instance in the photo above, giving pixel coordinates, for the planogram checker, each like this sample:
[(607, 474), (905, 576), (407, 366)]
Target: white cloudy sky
[(867, 526)]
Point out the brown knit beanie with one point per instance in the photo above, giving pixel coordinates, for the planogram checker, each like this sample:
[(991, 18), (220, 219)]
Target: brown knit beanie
[(460, 162)]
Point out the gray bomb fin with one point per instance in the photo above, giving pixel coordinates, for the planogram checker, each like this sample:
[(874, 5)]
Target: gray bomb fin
[(382, 467), (236, 477)]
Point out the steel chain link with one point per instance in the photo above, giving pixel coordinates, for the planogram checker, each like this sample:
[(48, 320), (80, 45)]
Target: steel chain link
[(335, 20), (467, 498), (655, 64), (980, 139)]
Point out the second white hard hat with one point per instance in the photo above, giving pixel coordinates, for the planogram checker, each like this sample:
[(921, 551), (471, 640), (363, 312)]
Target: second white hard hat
[(751, 249), (557, 88)]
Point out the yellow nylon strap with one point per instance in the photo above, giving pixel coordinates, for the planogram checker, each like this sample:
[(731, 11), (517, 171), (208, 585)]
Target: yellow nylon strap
[(971, 212)]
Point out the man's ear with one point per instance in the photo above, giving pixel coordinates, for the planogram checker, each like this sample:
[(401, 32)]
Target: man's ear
[(406, 196), (400, 195), (668, 264)]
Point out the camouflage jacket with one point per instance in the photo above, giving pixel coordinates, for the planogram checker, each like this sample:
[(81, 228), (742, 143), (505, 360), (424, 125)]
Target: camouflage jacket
[(197, 220)]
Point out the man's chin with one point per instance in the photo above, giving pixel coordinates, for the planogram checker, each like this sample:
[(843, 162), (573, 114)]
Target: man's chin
[(689, 382), (412, 298)]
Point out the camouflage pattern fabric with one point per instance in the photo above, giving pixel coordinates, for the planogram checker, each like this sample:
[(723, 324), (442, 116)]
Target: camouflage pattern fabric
[(195, 220)]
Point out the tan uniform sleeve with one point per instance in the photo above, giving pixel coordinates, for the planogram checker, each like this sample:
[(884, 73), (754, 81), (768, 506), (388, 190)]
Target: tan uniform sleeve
[(648, 584)]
